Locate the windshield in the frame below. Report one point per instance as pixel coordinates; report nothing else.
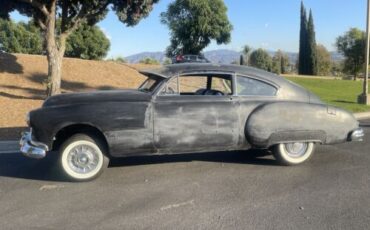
(150, 84)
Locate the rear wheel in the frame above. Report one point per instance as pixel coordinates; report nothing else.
(293, 153)
(82, 158)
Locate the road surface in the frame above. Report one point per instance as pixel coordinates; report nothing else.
(232, 190)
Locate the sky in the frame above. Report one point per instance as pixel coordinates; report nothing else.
(268, 24)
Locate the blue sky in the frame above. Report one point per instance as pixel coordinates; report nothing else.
(268, 24)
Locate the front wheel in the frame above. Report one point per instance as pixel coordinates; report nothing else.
(293, 153)
(82, 158)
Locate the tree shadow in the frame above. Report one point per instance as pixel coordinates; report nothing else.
(36, 94)
(106, 87)
(9, 64)
(343, 101)
(16, 166)
(11, 133)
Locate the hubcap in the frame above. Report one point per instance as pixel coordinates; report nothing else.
(296, 150)
(83, 159)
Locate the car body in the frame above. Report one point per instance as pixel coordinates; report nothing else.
(186, 108)
(189, 58)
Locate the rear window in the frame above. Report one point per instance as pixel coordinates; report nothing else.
(252, 87)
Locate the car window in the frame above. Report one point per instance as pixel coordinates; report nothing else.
(252, 87)
(191, 84)
(199, 85)
(171, 88)
(223, 85)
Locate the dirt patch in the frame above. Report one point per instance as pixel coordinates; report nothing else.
(22, 85)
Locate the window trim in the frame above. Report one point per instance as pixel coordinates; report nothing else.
(270, 83)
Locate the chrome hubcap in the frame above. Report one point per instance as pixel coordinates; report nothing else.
(83, 159)
(296, 150)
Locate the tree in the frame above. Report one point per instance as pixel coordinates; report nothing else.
(71, 13)
(302, 60)
(307, 61)
(149, 61)
(20, 37)
(352, 46)
(280, 63)
(324, 62)
(246, 51)
(87, 42)
(193, 24)
(167, 61)
(261, 59)
(242, 62)
(311, 51)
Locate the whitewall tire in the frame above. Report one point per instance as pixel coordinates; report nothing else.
(82, 158)
(293, 153)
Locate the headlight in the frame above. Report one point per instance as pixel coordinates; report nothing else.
(28, 119)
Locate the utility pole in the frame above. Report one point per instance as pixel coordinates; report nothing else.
(364, 98)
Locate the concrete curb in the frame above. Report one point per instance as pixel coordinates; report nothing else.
(362, 116)
(9, 147)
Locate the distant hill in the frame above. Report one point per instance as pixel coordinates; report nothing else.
(136, 58)
(222, 56)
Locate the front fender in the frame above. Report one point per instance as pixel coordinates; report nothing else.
(282, 122)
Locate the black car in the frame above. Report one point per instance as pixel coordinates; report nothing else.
(189, 59)
(186, 108)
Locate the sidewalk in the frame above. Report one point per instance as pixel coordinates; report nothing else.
(362, 116)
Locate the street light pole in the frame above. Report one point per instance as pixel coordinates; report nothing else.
(364, 98)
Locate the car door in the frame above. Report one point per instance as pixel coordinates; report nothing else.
(189, 122)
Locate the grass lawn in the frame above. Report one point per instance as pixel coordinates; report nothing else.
(340, 93)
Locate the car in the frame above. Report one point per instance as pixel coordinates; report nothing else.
(188, 58)
(185, 108)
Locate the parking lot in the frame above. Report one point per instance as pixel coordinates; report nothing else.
(229, 190)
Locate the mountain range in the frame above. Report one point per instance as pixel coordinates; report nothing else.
(222, 56)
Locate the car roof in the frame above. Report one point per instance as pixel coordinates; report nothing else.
(169, 71)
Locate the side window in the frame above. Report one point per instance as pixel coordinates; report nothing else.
(251, 87)
(222, 85)
(199, 85)
(192, 84)
(172, 87)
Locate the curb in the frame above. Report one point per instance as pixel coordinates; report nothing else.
(362, 116)
(9, 147)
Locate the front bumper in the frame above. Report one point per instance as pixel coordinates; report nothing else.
(356, 135)
(31, 148)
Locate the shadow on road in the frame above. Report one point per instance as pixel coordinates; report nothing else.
(253, 157)
(17, 166)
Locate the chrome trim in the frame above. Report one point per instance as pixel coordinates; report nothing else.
(356, 135)
(31, 148)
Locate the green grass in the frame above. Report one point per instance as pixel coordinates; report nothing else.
(340, 93)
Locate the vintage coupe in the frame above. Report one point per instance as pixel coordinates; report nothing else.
(185, 108)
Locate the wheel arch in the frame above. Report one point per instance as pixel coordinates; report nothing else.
(66, 131)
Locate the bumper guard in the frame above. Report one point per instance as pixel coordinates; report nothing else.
(31, 148)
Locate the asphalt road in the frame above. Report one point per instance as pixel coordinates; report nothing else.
(232, 190)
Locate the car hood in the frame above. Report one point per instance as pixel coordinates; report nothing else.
(97, 97)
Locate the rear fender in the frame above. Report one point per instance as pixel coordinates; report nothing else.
(283, 122)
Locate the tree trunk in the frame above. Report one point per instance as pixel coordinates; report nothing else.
(55, 53)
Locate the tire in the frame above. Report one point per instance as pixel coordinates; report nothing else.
(293, 153)
(82, 158)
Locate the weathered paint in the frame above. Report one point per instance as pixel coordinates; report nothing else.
(136, 123)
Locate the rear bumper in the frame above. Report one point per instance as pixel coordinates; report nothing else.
(31, 148)
(356, 135)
